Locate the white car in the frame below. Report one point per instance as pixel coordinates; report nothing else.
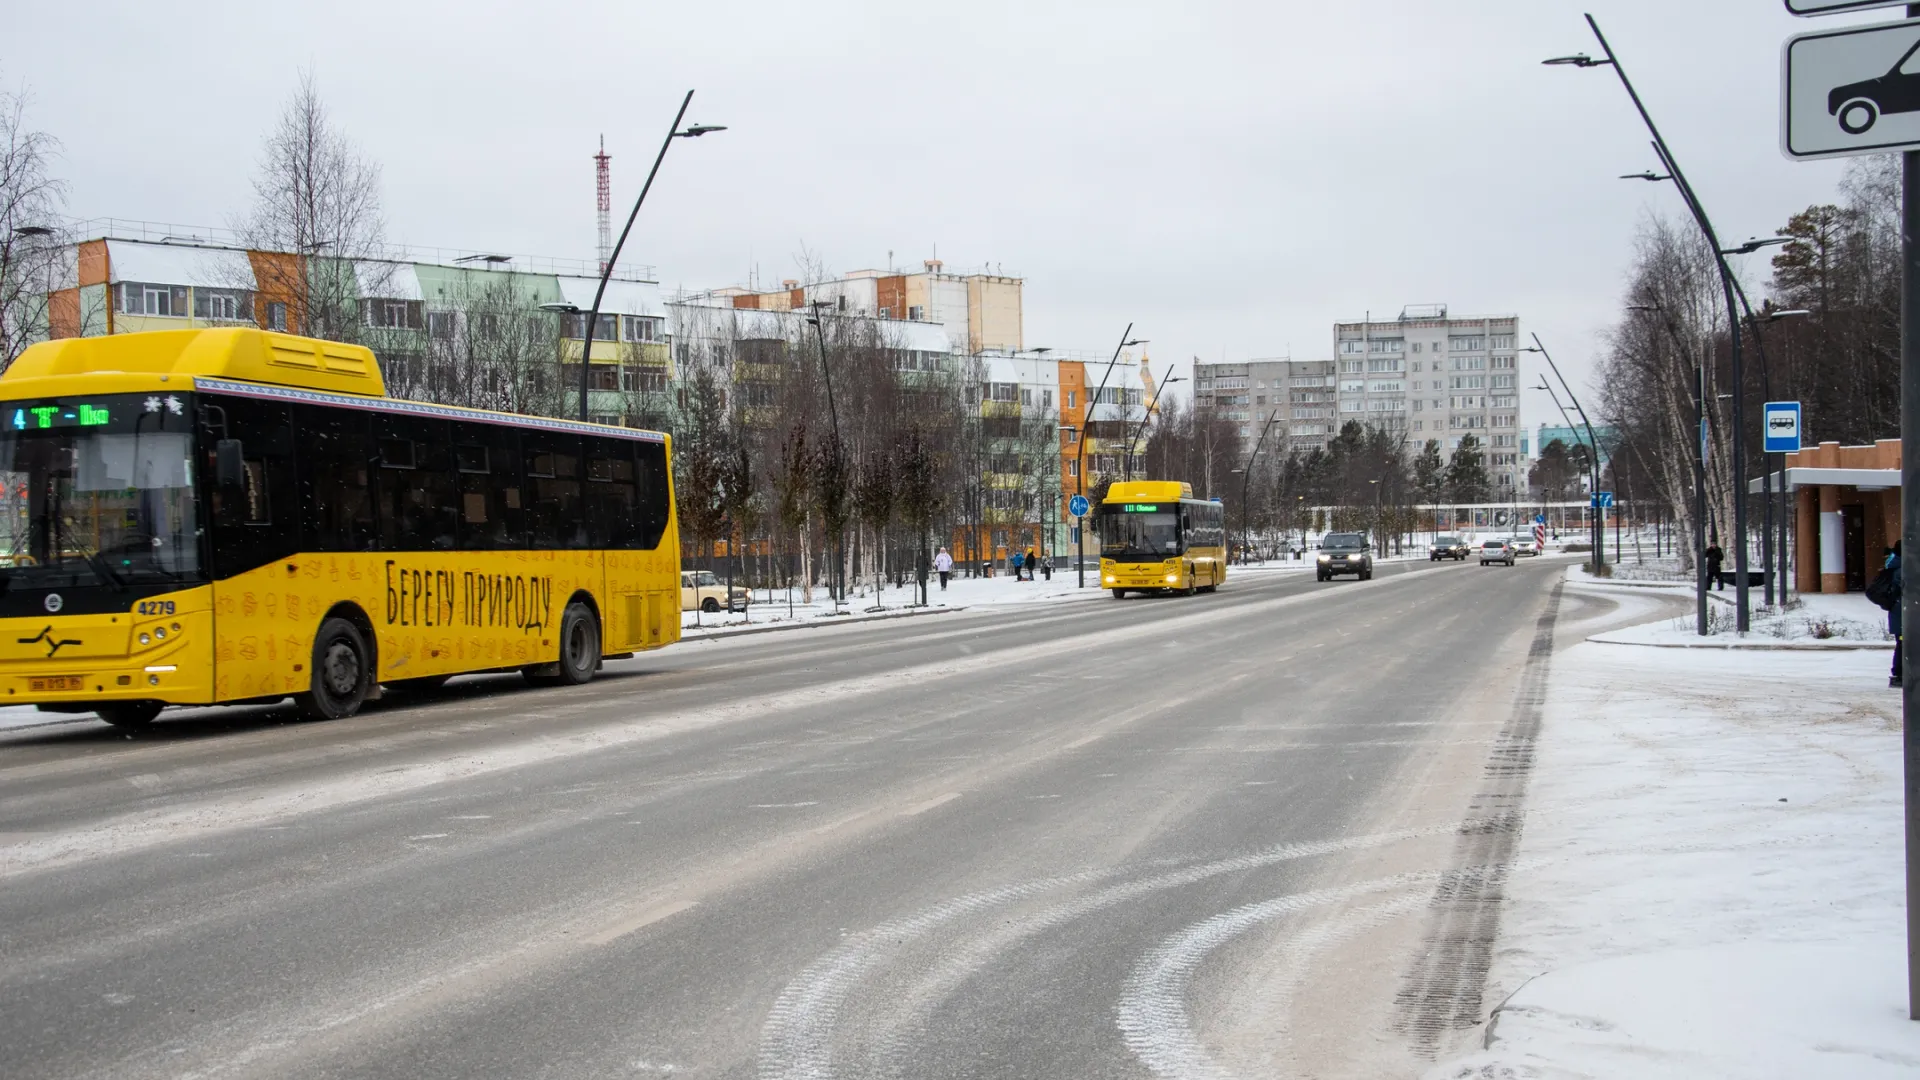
(1525, 545)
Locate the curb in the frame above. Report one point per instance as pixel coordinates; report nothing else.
(1784, 646)
(814, 624)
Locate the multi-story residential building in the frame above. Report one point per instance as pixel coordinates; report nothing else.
(1431, 375)
(500, 331)
(980, 311)
(1249, 394)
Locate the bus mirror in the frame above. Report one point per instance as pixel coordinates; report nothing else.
(229, 470)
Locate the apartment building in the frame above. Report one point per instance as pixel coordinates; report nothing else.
(1433, 375)
(1297, 397)
(981, 311)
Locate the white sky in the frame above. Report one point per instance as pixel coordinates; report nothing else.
(1231, 178)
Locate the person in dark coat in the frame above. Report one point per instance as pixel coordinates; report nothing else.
(1031, 563)
(1715, 557)
(1893, 616)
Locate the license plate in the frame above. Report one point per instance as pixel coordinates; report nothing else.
(54, 682)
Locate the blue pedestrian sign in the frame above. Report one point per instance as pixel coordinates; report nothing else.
(1078, 506)
(1601, 500)
(1782, 426)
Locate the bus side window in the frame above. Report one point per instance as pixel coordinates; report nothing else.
(492, 510)
(255, 523)
(336, 503)
(416, 488)
(653, 501)
(610, 492)
(554, 518)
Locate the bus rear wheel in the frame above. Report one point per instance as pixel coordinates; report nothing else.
(128, 714)
(341, 674)
(579, 650)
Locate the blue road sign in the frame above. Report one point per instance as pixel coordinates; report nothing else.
(1601, 500)
(1782, 426)
(1078, 506)
(1539, 519)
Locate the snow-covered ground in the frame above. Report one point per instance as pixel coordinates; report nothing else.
(1810, 621)
(1710, 879)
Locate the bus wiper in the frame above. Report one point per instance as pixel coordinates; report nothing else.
(100, 567)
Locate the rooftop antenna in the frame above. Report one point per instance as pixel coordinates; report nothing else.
(603, 194)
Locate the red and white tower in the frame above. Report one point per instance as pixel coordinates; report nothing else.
(603, 193)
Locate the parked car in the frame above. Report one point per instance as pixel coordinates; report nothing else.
(701, 589)
(1497, 551)
(1525, 545)
(1344, 553)
(1448, 547)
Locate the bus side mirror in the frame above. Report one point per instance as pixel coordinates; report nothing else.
(229, 470)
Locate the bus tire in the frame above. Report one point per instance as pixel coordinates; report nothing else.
(128, 714)
(579, 645)
(1119, 594)
(341, 674)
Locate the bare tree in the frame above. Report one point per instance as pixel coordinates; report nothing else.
(31, 199)
(317, 201)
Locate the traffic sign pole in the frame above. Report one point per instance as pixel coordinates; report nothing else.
(1910, 532)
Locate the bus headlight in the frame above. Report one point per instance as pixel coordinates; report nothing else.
(1173, 577)
(1109, 579)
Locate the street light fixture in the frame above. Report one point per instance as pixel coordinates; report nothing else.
(613, 257)
(1168, 380)
(1648, 175)
(1593, 457)
(33, 230)
(1741, 598)
(1080, 459)
(1755, 244)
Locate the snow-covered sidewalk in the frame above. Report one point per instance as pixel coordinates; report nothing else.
(1710, 880)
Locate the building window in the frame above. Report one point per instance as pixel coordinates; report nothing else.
(886, 313)
(1046, 399)
(277, 315)
(916, 312)
(1070, 400)
(440, 324)
(639, 328)
(1026, 396)
(1073, 467)
(1352, 367)
(393, 314)
(1500, 341)
(1352, 348)
(139, 298)
(1416, 348)
(1002, 391)
(223, 305)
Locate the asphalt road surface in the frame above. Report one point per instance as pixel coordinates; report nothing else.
(1258, 833)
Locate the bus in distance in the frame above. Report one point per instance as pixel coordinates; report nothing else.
(1156, 537)
(230, 516)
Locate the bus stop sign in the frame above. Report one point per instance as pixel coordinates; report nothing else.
(1782, 426)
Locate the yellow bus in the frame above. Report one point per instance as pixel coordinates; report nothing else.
(1156, 537)
(234, 516)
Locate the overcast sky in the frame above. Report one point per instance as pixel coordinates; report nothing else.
(1231, 178)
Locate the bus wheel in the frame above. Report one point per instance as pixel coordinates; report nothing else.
(1119, 594)
(129, 714)
(579, 644)
(341, 675)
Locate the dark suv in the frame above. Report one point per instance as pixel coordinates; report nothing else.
(1448, 547)
(1345, 553)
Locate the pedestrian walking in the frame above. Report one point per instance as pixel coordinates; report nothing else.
(1015, 562)
(1715, 557)
(1031, 563)
(1885, 590)
(943, 565)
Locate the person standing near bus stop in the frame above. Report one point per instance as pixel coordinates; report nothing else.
(943, 565)
(1015, 562)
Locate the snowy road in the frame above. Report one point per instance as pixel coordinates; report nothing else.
(1213, 837)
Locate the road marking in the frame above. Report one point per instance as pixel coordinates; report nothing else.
(781, 805)
(923, 807)
(645, 917)
(470, 817)
(1082, 741)
(430, 836)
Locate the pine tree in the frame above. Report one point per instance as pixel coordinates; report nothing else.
(1467, 477)
(1430, 473)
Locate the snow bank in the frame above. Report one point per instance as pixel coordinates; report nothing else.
(1710, 877)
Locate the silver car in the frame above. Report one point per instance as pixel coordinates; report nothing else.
(1497, 551)
(1524, 545)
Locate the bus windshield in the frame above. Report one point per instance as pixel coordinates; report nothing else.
(104, 498)
(1140, 536)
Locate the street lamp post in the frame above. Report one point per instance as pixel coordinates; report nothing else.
(1593, 456)
(606, 272)
(1246, 475)
(839, 448)
(1080, 456)
(1766, 459)
(1127, 467)
(1726, 284)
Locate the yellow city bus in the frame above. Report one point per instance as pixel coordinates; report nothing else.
(1155, 536)
(198, 517)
